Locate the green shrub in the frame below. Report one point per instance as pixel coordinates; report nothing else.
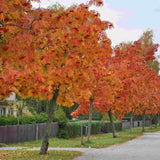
(60, 117)
(2, 145)
(3, 121)
(107, 127)
(8, 120)
(31, 110)
(12, 120)
(95, 116)
(74, 128)
(155, 119)
(96, 127)
(106, 117)
(25, 119)
(41, 118)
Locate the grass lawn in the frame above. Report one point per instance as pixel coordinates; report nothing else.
(34, 155)
(97, 141)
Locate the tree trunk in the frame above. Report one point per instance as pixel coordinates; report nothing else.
(18, 121)
(150, 124)
(131, 123)
(90, 119)
(45, 143)
(112, 123)
(156, 120)
(143, 122)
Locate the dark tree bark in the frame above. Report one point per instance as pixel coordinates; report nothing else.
(150, 124)
(90, 119)
(112, 123)
(156, 121)
(131, 123)
(143, 121)
(45, 142)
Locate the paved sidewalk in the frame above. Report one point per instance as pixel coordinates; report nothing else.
(50, 148)
(146, 147)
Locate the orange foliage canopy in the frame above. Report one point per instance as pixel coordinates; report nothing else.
(10, 13)
(132, 85)
(45, 50)
(140, 83)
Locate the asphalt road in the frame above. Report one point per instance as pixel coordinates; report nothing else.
(146, 147)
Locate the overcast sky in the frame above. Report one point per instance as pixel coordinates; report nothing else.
(130, 17)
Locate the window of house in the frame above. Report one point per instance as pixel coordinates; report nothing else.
(3, 111)
(10, 111)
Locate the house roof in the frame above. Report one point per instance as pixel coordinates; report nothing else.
(5, 102)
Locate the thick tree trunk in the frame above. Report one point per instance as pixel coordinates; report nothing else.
(90, 119)
(143, 122)
(131, 123)
(112, 123)
(45, 142)
(150, 124)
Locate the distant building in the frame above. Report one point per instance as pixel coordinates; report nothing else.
(6, 107)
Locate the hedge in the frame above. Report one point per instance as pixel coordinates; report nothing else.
(74, 128)
(60, 117)
(25, 119)
(107, 127)
(8, 120)
(69, 130)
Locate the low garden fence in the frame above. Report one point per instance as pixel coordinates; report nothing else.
(27, 132)
(32, 132)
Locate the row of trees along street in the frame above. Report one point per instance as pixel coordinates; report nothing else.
(64, 56)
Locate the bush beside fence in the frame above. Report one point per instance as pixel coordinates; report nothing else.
(25, 119)
(74, 128)
(107, 126)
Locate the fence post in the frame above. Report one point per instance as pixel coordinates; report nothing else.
(81, 135)
(36, 132)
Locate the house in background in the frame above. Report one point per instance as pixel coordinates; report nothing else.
(6, 107)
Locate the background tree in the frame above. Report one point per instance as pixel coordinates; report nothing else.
(148, 48)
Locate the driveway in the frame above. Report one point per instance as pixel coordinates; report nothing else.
(146, 147)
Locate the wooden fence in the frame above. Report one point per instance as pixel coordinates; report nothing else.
(27, 132)
(126, 124)
(32, 132)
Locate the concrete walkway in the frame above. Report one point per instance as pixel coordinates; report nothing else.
(50, 148)
(146, 147)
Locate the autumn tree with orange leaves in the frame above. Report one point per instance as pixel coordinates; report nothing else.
(64, 56)
(139, 81)
(136, 84)
(47, 53)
